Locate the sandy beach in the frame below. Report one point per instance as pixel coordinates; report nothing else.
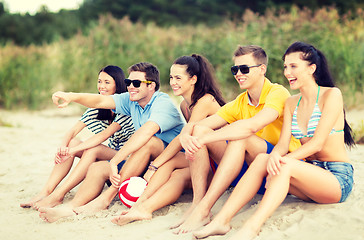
(26, 159)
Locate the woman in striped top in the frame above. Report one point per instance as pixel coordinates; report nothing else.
(116, 128)
(318, 171)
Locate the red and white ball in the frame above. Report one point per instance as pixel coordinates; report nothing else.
(131, 189)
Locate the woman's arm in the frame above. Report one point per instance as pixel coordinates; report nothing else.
(76, 129)
(205, 107)
(70, 134)
(282, 147)
(96, 139)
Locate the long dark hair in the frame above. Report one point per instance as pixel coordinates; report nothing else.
(118, 75)
(206, 81)
(322, 75)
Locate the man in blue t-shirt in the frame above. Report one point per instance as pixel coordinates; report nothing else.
(156, 121)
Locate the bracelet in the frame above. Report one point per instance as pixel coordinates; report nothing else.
(152, 167)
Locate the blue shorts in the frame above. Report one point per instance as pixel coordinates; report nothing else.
(243, 170)
(343, 171)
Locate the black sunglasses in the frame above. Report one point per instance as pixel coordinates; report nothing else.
(136, 83)
(244, 69)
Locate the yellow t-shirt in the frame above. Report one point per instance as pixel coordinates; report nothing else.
(272, 96)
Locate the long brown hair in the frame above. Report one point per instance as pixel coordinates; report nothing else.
(200, 67)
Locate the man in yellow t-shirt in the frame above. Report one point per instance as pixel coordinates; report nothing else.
(234, 136)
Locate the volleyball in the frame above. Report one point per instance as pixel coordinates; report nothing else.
(131, 189)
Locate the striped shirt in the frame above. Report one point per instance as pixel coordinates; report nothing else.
(118, 139)
(312, 122)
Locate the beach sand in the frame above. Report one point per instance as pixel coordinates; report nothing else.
(26, 159)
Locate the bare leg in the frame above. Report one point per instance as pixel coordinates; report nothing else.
(167, 194)
(301, 176)
(91, 187)
(200, 169)
(228, 170)
(163, 175)
(246, 189)
(89, 156)
(134, 166)
(58, 173)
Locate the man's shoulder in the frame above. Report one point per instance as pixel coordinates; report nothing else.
(162, 98)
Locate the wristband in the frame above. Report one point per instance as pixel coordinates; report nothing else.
(152, 167)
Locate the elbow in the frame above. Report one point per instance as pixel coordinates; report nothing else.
(254, 129)
(317, 145)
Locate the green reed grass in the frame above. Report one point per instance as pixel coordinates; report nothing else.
(29, 75)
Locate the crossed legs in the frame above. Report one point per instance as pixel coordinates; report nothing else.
(58, 173)
(230, 166)
(296, 177)
(88, 198)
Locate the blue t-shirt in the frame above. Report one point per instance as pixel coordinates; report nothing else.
(160, 109)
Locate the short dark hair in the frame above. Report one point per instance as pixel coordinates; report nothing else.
(259, 54)
(151, 72)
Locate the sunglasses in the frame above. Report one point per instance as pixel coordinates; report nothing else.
(244, 69)
(136, 83)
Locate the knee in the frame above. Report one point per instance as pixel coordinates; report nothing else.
(74, 142)
(286, 169)
(199, 130)
(90, 151)
(95, 169)
(180, 174)
(260, 162)
(150, 145)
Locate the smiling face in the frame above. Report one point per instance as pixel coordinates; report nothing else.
(181, 82)
(297, 71)
(142, 94)
(248, 80)
(106, 84)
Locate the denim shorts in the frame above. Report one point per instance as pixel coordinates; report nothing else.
(343, 171)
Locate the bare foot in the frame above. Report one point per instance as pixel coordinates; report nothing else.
(197, 219)
(245, 233)
(48, 202)
(94, 206)
(213, 228)
(184, 217)
(31, 203)
(131, 216)
(53, 214)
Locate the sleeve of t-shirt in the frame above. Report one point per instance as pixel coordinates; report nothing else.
(126, 124)
(165, 114)
(90, 119)
(122, 103)
(89, 114)
(229, 111)
(276, 98)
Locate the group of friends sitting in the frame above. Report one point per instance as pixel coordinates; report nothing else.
(265, 141)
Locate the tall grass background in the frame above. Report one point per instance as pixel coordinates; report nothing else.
(29, 75)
